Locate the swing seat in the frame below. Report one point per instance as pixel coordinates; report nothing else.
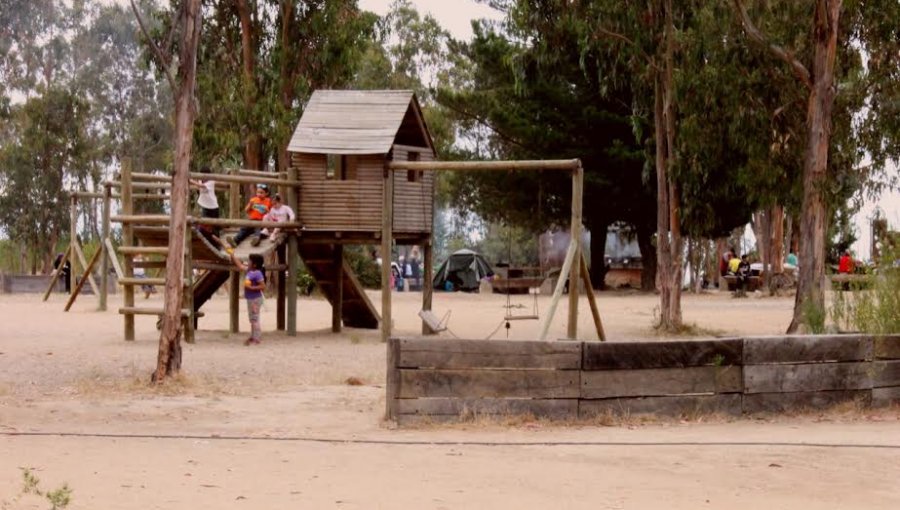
(435, 324)
(521, 318)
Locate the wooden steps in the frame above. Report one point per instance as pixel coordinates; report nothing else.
(357, 310)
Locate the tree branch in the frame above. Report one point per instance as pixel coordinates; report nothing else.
(754, 33)
(625, 39)
(163, 61)
(485, 123)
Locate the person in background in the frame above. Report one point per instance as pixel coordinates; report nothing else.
(743, 275)
(140, 272)
(846, 266)
(792, 259)
(65, 271)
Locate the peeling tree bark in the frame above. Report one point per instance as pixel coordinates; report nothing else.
(169, 356)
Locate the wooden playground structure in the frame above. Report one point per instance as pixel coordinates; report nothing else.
(362, 172)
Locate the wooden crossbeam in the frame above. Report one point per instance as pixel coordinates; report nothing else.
(59, 271)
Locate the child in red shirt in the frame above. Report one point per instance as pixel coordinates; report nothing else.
(256, 210)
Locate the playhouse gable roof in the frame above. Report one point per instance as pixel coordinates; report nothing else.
(360, 122)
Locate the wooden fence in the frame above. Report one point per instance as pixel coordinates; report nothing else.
(444, 380)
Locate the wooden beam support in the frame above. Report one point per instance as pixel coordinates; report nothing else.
(87, 270)
(240, 178)
(387, 218)
(234, 281)
(57, 272)
(113, 258)
(575, 238)
(337, 307)
(461, 166)
(104, 261)
(83, 260)
(427, 282)
(557, 292)
(592, 300)
(165, 219)
(131, 281)
(127, 240)
(293, 257)
(144, 250)
(280, 299)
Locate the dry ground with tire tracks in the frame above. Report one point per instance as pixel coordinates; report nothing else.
(276, 425)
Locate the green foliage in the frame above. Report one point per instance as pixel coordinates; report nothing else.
(874, 310)
(364, 266)
(814, 317)
(58, 498)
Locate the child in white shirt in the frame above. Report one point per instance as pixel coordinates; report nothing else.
(280, 213)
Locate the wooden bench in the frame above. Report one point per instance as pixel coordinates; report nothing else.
(753, 282)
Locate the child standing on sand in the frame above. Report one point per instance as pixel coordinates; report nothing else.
(254, 285)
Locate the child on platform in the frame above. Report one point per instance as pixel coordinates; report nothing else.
(279, 213)
(256, 210)
(254, 285)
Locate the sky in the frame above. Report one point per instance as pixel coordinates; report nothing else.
(454, 15)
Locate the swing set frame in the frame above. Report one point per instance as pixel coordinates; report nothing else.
(574, 267)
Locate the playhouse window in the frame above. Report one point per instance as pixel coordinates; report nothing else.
(340, 167)
(414, 175)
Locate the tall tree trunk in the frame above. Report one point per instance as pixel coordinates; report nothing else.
(169, 357)
(777, 252)
(253, 147)
(668, 240)
(811, 282)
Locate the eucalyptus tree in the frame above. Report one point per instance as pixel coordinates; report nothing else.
(533, 91)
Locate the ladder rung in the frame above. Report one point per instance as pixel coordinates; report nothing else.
(521, 318)
(142, 281)
(149, 250)
(153, 311)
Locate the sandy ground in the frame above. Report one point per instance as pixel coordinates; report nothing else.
(275, 426)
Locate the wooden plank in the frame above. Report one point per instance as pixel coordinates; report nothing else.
(427, 281)
(89, 275)
(387, 238)
(87, 271)
(460, 166)
(781, 402)
(885, 373)
(130, 282)
(128, 232)
(592, 300)
(470, 354)
(887, 347)
(884, 397)
(337, 305)
(726, 403)
(489, 383)
(682, 353)
(854, 375)
(468, 408)
(392, 379)
(575, 238)
(557, 292)
(792, 349)
(660, 382)
(106, 255)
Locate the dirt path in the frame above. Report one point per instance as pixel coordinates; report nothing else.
(72, 374)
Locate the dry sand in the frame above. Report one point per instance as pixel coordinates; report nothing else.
(275, 426)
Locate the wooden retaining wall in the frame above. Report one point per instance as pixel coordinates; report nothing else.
(444, 380)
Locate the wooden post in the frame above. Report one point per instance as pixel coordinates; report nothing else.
(187, 298)
(392, 379)
(104, 261)
(234, 280)
(279, 300)
(77, 289)
(589, 290)
(59, 271)
(387, 218)
(73, 235)
(127, 240)
(79, 253)
(337, 307)
(575, 232)
(557, 292)
(427, 281)
(292, 257)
